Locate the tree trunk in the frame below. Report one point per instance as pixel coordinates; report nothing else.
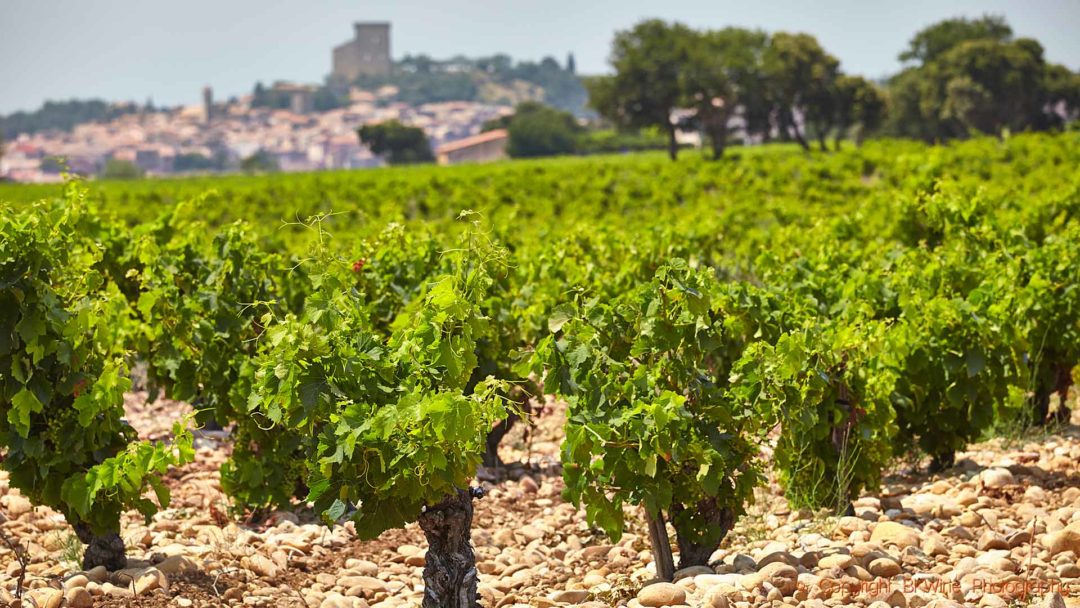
(661, 546)
(716, 138)
(821, 141)
(790, 121)
(858, 135)
(107, 550)
(450, 570)
(673, 145)
(836, 143)
(941, 462)
(695, 549)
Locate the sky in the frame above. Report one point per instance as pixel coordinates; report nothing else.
(167, 51)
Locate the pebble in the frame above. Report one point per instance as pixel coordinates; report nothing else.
(570, 596)
(661, 594)
(997, 478)
(895, 533)
(78, 597)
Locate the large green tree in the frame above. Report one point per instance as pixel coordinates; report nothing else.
(721, 78)
(538, 130)
(972, 76)
(931, 42)
(860, 108)
(646, 87)
(397, 143)
(802, 78)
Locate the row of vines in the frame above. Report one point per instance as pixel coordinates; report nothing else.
(817, 315)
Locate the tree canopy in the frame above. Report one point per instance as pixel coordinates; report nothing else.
(646, 87)
(962, 76)
(398, 144)
(974, 77)
(537, 130)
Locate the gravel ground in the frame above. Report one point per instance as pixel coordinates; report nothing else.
(1001, 529)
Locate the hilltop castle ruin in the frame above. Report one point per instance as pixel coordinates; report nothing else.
(367, 54)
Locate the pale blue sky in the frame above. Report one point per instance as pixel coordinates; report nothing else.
(136, 49)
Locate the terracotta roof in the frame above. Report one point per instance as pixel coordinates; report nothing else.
(469, 142)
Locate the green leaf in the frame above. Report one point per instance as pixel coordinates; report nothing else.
(336, 510)
(24, 403)
(559, 316)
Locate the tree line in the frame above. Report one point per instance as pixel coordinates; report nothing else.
(961, 76)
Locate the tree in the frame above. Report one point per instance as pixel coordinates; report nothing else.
(196, 162)
(537, 130)
(646, 86)
(983, 86)
(121, 169)
(397, 143)
(860, 108)
(973, 76)
(1063, 92)
(259, 162)
(933, 41)
(62, 115)
(987, 85)
(801, 78)
(721, 76)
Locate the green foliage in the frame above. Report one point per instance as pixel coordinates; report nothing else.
(831, 385)
(645, 88)
(610, 141)
(868, 301)
(931, 42)
(396, 142)
(62, 116)
(420, 79)
(391, 427)
(801, 78)
(723, 74)
(959, 348)
(259, 162)
(197, 162)
(64, 375)
(649, 421)
(860, 107)
(972, 76)
(536, 130)
(121, 169)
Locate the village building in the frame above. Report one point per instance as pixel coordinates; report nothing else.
(482, 148)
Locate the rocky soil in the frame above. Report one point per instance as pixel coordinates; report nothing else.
(1001, 529)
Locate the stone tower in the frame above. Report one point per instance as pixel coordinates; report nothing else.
(367, 54)
(208, 103)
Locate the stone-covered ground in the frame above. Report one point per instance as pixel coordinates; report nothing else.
(1001, 529)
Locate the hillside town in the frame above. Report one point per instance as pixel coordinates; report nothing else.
(165, 142)
(218, 136)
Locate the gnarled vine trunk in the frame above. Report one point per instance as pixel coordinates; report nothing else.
(661, 546)
(696, 549)
(1057, 383)
(495, 437)
(942, 462)
(107, 550)
(450, 570)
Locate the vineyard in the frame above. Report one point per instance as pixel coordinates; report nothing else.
(591, 381)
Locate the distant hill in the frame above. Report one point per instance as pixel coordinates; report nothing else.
(496, 79)
(62, 116)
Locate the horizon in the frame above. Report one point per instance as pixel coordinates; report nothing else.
(167, 54)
